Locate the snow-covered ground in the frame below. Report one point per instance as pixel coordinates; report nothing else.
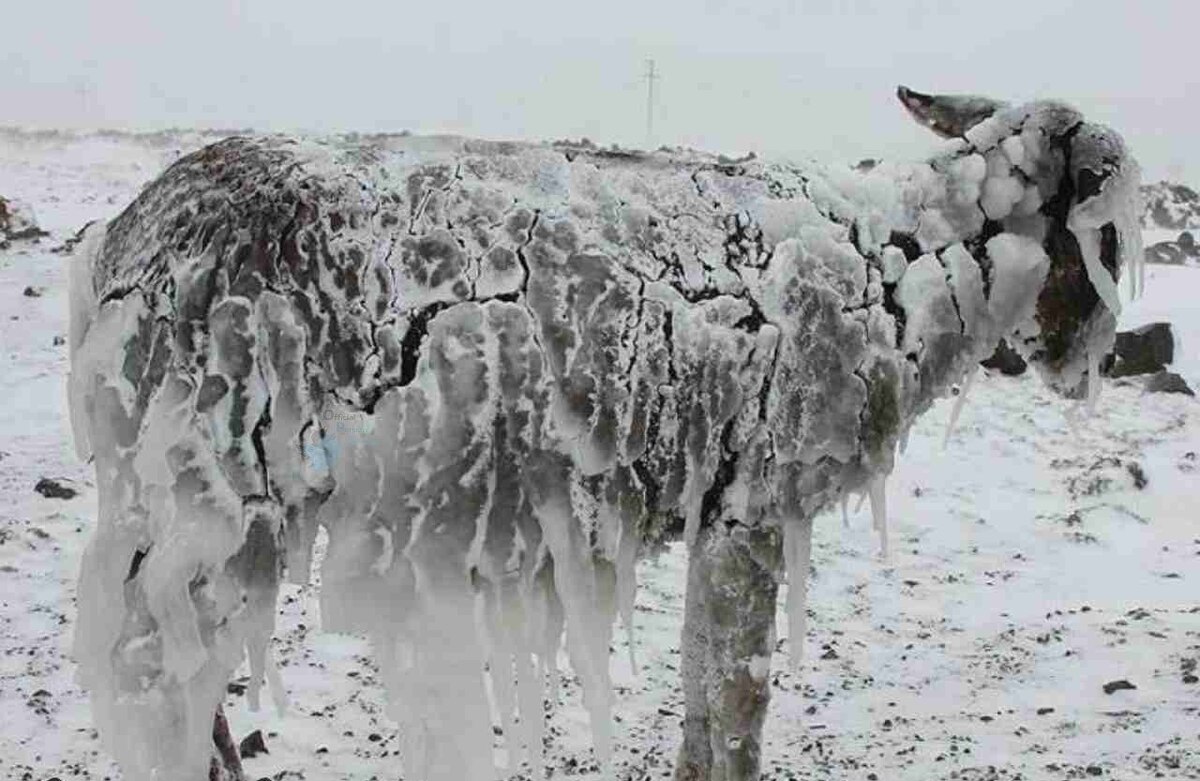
(1032, 571)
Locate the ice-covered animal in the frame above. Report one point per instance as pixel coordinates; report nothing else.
(497, 372)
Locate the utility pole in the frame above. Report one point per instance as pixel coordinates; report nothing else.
(650, 77)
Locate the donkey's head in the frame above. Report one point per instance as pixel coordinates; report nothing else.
(1061, 184)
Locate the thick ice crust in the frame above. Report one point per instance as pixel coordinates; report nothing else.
(495, 373)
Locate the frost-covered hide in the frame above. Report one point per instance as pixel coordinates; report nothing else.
(495, 373)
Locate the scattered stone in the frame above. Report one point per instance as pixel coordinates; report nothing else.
(1187, 243)
(1007, 360)
(1094, 770)
(17, 222)
(39, 702)
(52, 488)
(1144, 350)
(1164, 253)
(829, 654)
(235, 687)
(1116, 686)
(1044, 711)
(59, 341)
(1189, 679)
(32, 292)
(252, 745)
(1167, 382)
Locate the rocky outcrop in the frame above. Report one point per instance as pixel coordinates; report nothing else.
(1167, 382)
(1170, 206)
(1144, 350)
(17, 223)
(1006, 360)
(1174, 253)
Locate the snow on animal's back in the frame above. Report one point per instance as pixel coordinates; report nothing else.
(369, 244)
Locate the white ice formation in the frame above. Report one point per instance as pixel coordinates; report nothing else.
(496, 373)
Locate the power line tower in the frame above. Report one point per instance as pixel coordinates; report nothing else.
(650, 78)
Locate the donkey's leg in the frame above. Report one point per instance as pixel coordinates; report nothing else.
(728, 637)
(227, 763)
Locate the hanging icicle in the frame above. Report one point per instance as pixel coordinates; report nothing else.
(877, 490)
(797, 557)
(959, 403)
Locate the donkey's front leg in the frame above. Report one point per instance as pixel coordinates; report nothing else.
(728, 637)
(226, 764)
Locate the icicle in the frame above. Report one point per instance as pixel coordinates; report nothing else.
(1129, 232)
(1094, 382)
(606, 600)
(1141, 266)
(500, 667)
(257, 673)
(862, 498)
(797, 557)
(691, 526)
(627, 587)
(275, 682)
(1133, 265)
(1102, 281)
(959, 403)
(533, 718)
(574, 580)
(878, 492)
(845, 509)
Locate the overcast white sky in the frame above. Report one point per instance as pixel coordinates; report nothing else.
(809, 77)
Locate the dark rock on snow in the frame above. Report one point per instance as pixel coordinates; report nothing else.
(1167, 382)
(1173, 253)
(1187, 243)
(1164, 253)
(17, 223)
(1007, 360)
(1143, 350)
(1116, 686)
(252, 745)
(55, 489)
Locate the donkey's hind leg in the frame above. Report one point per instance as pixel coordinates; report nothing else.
(227, 762)
(728, 637)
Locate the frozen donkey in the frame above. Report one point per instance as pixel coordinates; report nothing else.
(495, 373)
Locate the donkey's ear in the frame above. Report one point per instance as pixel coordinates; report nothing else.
(950, 116)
